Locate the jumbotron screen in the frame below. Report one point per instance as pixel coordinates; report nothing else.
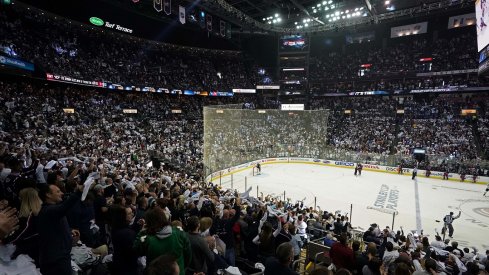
(482, 15)
(293, 43)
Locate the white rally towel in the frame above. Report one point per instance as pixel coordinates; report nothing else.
(86, 187)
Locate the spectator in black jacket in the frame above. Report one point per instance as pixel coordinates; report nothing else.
(123, 237)
(223, 227)
(281, 263)
(55, 236)
(338, 227)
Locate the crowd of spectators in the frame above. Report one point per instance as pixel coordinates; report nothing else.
(132, 216)
(68, 49)
(251, 135)
(373, 128)
(397, 58)
(77, 193)
(109, 192)
(394, 65)
(121, 59)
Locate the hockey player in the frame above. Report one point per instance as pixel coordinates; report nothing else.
(445, 174)
(359, 167)
(356, 170)
(415, 172)
(448, 220)
(399, 169)
(474, 175)
(258, 168)
(487, 190)
(428, 171)
(462, 175)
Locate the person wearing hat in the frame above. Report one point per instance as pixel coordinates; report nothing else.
(448, 220)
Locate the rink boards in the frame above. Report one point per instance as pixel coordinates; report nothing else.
(343, 164)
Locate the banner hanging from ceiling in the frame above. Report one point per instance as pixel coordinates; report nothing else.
(209, 22)
(158, 5)
(167, 6)
(222, 29)
(181, 14)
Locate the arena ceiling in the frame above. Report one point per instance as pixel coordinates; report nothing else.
(317, 15)
(288, 16)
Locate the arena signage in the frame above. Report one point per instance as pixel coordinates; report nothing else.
(463, 20)
(342, 163)
(300, 159)
(369, 93)
(407, 30)
(387, 197)
(448, 72)
(439, 174)
(217, 93)
(96, 21)
(440, 90)
(163, 90)
(292, 107)
(267, 87)
(13, 62)
(244, 91)
(395, 169)
(100, 22)
(369, 166)
(130, 111)
(67, 79)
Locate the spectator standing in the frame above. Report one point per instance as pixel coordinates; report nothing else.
(55, 236)
(159, 238)
(280, 264)
(202, 255)
(341, 255)
(123, 237)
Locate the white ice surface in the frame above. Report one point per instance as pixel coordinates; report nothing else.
(337, 188)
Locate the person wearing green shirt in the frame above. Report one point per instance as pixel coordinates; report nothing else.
(158, 238)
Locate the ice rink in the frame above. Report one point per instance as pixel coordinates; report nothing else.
(375, 196)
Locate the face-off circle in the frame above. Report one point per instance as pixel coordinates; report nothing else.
(483, 211)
